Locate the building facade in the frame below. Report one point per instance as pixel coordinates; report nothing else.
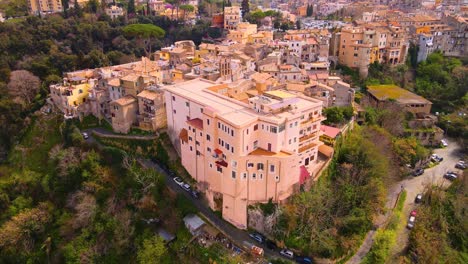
(243, 152)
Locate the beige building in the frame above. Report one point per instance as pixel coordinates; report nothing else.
(362, 45)
(115, 11)
(243, 152)
(232, 17)
(242, 33)
(124, 113)
(151, 110)
(42, 7)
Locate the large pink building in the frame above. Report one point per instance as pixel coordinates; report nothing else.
(243, 152)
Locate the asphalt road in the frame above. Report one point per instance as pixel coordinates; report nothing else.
(236, 235)
(415, 185)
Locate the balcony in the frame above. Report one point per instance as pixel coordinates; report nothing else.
(307, 137)
(307, 147)
(312, 120)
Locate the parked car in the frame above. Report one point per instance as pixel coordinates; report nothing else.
(178, 181)
(287, 253)
(451, 176)
(413, 213)
(411, 221)
(85, 135)
(418, 172)
(195, 194)
(304, 260)
(443, 143)
(460, 165)
(259, 237)
(418, 198)
(186, 187)
(271, 244)
(436, 158)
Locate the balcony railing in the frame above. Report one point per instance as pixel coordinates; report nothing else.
(312, 119)
(304, 138)
(307, 147)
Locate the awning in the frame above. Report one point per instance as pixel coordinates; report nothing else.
(303, 174)
(218, 151)
(183, 135)
(221, 163)
(326, 150)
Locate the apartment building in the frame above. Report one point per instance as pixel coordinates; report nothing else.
(242, 33)
(151, 110)
(42, 7)
(71, 95)
(115, 11)
(124, 113)
(232, 17)
(426, 46)
(243, 152)
(374, 42)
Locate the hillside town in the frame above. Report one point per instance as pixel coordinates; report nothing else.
(236, 131)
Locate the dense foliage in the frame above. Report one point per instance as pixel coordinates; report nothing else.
(441, 232)
(331, 218)
(49, 46)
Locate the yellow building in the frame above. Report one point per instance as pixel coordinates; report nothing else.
(70, 96)
(242, 33)
(37, 7)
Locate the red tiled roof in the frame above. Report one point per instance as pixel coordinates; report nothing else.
(196, 122)
(329, 131)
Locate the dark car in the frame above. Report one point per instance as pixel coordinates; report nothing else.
(271, 244)
(195, 194)
(418, 172)
(304, 260)
(259, 237)
(418, 198)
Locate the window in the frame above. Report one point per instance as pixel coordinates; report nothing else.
(256, 127)
(190, 138)
(233, 175)
(254, 176)
(219, 125)
(208, 149)
(232, 133)
(290, 125)
(201, 134)
(219, 169)
(273, 129)
(247, 131)
(255, 144)
(191, 149)
(295, 123)
(261, 176)
(234, 164)
(211, 165)
(232, 149)
(198, 153)
(290, 141)
(219, 141)
(187, 104)
(173, 98)
(208, 137)
(250, 165)
(227, 146)
(277, 178)
(259, 166)
(197, 143)
(272, 168)
(244, 175)
(295, 140)
(175, 111)
(207, 121)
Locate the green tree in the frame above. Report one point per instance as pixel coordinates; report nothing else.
(145, 32)
(151, 251)
(245, 7)
(131, 7)
(187, 9)
(334, 115)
